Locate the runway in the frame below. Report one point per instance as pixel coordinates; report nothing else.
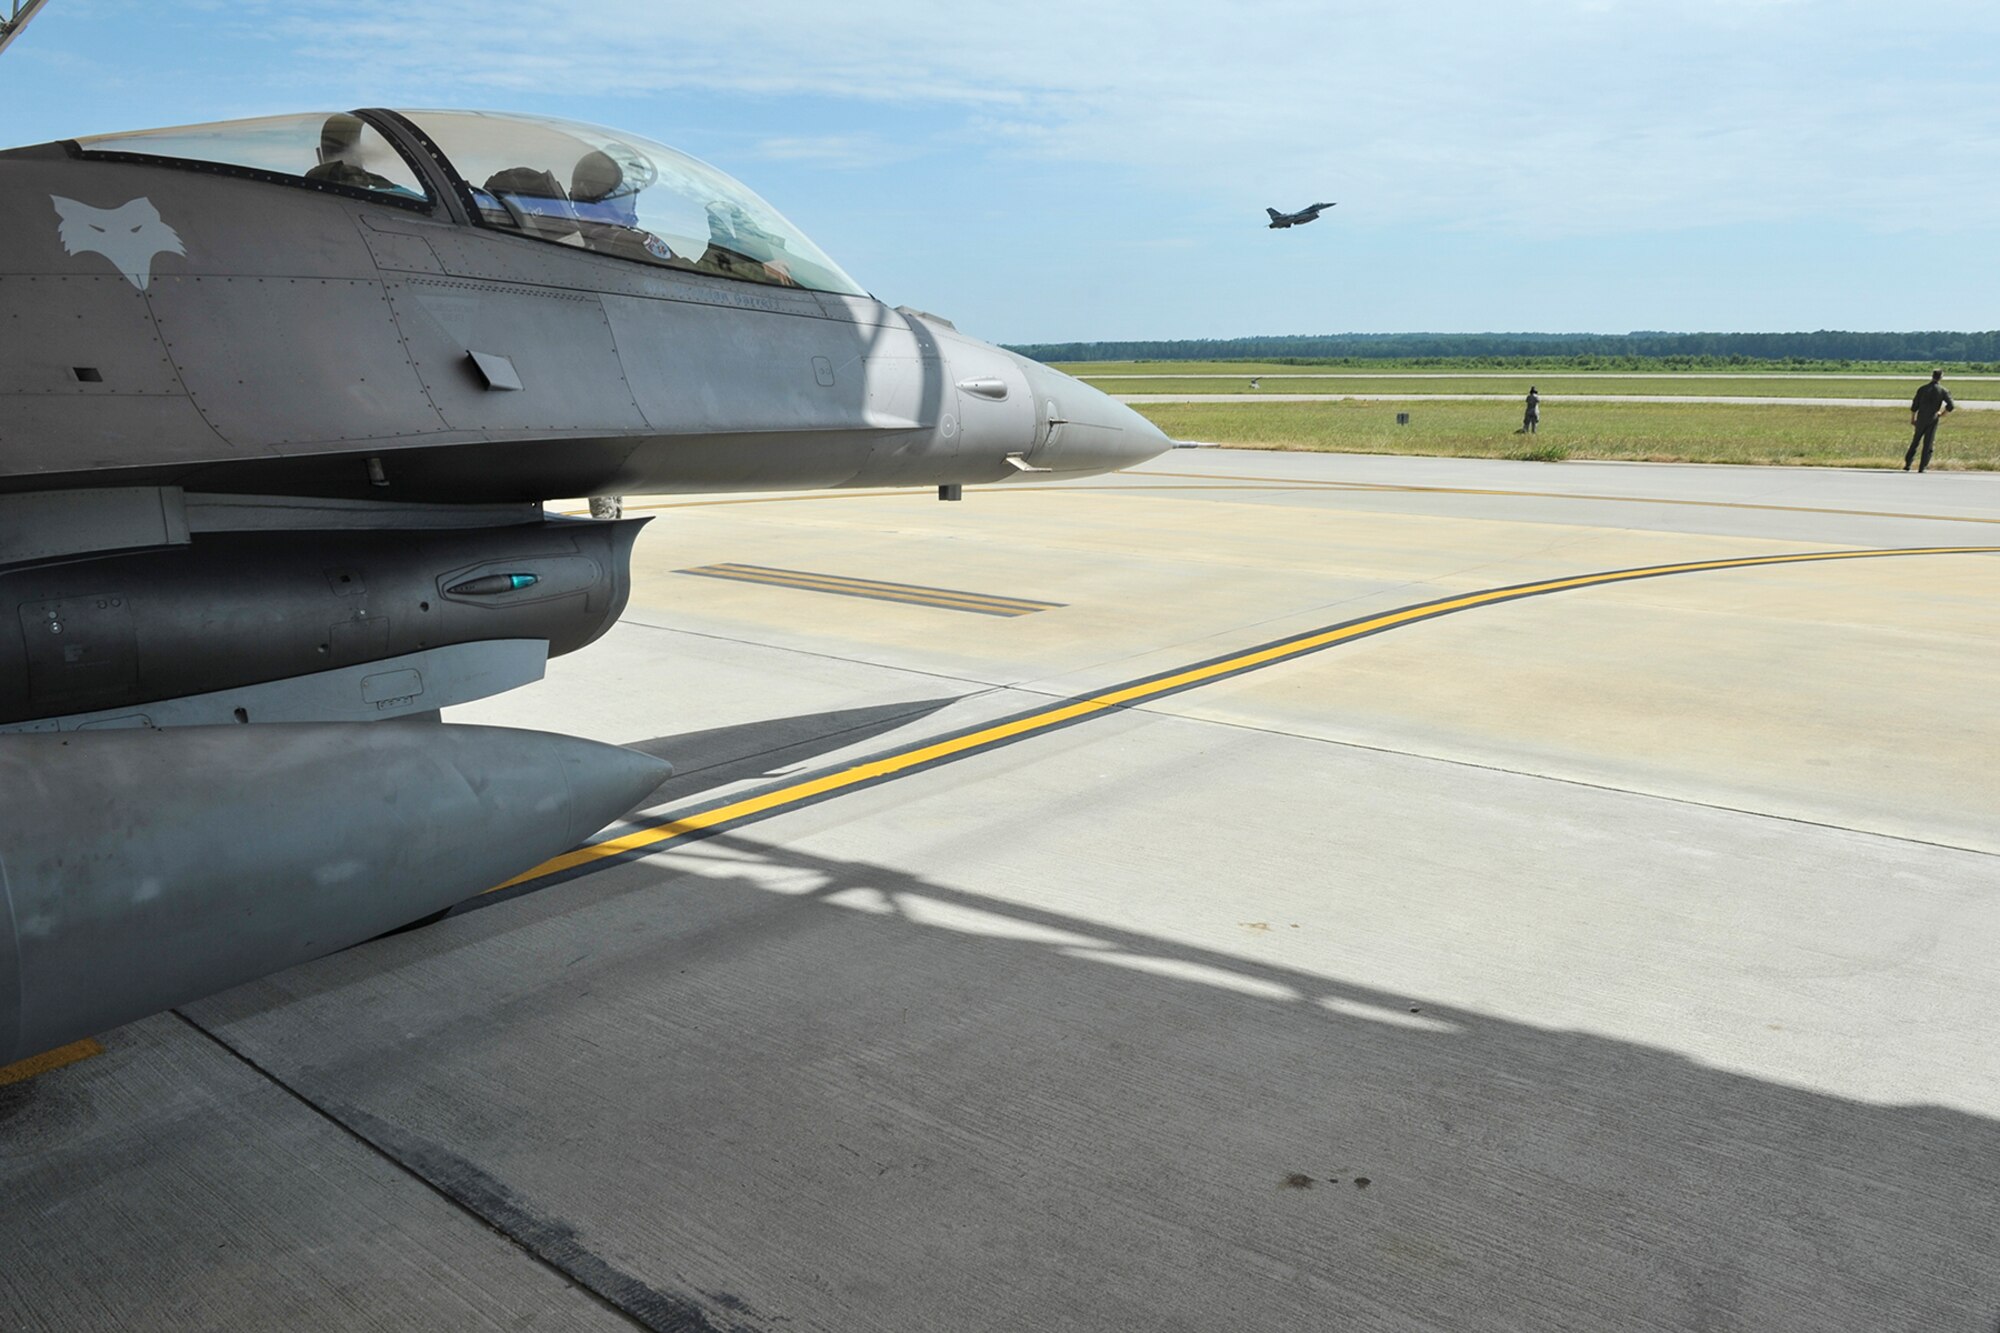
(1885, 404)
(1260, 890)
(1906, 377)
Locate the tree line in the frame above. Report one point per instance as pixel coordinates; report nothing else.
(1825, 349)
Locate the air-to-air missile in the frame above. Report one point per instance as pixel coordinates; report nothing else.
(280, 404)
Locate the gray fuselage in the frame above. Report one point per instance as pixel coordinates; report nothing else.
(274, 442)
(300, 330)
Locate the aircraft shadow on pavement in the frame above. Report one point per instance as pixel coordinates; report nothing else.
(704, 760)
(821, 1066)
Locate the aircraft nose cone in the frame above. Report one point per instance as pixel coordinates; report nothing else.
(1084, 431)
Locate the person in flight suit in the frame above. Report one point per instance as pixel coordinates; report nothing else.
(1931, 401)
(340, 157)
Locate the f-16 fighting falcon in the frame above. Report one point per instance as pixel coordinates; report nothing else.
(1310, 213)
(280, 402)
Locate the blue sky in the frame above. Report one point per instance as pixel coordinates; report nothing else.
(1044, 171)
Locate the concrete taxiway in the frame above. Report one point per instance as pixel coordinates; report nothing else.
(1266, 891)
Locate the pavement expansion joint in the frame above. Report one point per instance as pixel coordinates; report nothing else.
(639, 620)
(568, 1273)
(1689, 802)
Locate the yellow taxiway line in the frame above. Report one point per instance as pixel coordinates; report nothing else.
(22, 1070)
(926, 754)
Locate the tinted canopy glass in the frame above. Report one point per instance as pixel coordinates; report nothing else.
(330, 147)
(620, 194)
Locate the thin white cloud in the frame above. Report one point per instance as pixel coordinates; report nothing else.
(841, 152)
(1545, 116)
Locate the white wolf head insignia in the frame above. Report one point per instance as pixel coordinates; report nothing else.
(129, 235)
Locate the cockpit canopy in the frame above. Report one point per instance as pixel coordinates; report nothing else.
(338, 149)
(554, 180)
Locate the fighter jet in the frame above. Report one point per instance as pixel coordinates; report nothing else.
(280, 404)
(1298, 219)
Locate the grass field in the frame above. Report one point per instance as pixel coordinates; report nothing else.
(1635, 432)
(1553, 387)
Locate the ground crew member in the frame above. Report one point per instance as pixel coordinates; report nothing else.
(1532, 418)
(1931, 400)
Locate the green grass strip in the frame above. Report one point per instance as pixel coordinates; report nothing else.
(1729, 386)
(1632, 432)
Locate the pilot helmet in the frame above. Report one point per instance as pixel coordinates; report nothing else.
(596, 177)
(339, 137)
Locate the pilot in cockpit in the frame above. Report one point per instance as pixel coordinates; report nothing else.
(607, 210)
(340, 157)
(596, 188)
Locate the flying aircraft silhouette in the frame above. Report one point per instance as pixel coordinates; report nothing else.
(1298, 219)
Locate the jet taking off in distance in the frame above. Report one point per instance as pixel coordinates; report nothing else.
(280, 401)
(1298, 219)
